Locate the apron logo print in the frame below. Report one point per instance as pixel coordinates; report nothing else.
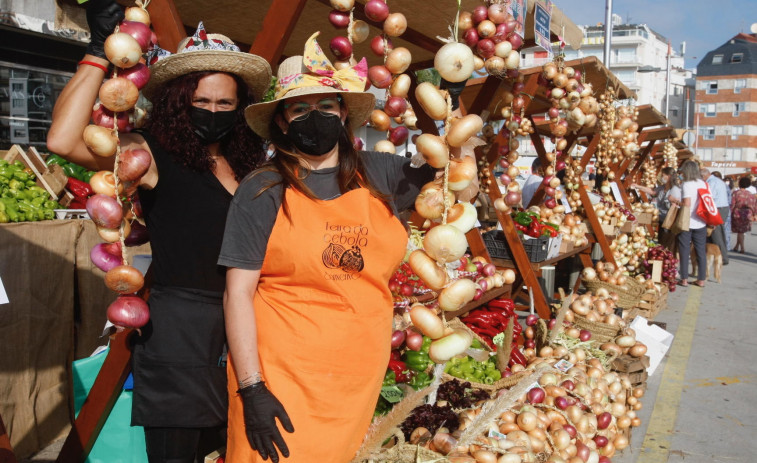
(349, 260)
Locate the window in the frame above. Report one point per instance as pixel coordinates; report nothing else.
(708, 109)
(717, 59)
(705, 154)
(707, 133)
(738, 85)
(736, 58)
(712, 88)
(626, 76)
(733, 154)
(673, 112)
(738, 107)
(737, 130)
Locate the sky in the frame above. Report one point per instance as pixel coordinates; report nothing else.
(703, 24)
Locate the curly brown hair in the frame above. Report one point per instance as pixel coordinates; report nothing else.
(171, 125)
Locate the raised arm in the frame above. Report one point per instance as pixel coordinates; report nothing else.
(73, 107)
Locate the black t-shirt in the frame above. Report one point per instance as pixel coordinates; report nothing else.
(185, 214)
(251, 218)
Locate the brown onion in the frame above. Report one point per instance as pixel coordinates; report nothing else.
(124, 279)
(398, 60)
(138, 14)
(122, 50)
(100, 140)
(119, 94)
(395, 24)
(104, 182)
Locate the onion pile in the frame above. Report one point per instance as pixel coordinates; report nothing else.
(646, 208)
(571, 225)
(113, 113)
(631, 251)
(491, 34)
(669, 266)
(670, 155)
(618, 133)
(597, 307)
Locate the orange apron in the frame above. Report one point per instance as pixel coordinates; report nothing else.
(324, 320)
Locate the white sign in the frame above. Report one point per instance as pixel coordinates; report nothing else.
(3, 294)
(542, 19)
(564, 200)
(616, 192)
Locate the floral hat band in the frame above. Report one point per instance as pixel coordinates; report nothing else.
(322, 73)
(200, 41)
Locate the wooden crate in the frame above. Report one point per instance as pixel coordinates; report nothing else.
(627, 364)
(644, 218)
(51, 178)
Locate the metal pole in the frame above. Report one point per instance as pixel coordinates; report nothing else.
(608, 33)
(686, 108)
(667, 86)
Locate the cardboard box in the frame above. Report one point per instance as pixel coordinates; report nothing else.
(645, 218)
(628, 227)
(565, 246)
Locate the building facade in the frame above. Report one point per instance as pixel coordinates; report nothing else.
(634, 47)
(726, 110)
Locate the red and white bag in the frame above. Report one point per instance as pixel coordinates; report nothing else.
(706, 209)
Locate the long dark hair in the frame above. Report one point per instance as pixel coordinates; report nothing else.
(170, 124)
(288, 164)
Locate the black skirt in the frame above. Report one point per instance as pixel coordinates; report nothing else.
(179, 363)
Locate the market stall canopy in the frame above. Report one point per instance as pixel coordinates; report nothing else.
(660, 133)
(593, 71)
(242, 21)
(649, 116)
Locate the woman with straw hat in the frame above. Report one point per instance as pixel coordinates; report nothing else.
(201, 147)
(311, 241)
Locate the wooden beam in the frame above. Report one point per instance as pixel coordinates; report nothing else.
(278, 25)
(167, 24)
(485, 95)
(590, 150)
(645, 153)
(541, 153)
(596, 227)
(476, 243)
(100, 400)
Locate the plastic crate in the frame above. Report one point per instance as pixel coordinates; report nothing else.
(536, 248)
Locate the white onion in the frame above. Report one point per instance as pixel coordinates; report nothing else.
(457, 294)
(454, 61)
(462, 216)
(449, 346)
(445, 243)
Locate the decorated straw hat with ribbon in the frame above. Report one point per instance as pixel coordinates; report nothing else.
(206, 52)
(311, 74)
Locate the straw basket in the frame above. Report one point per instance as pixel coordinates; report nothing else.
(628, 296)
(402, 452)
(600, 332)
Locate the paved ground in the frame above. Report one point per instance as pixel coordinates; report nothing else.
(701, 402)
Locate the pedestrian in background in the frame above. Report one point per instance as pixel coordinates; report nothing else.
(727, 225)
(719, 192)
(697, 232)
(532, 182)
(743, 209)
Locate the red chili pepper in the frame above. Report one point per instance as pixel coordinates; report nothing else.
(516, 356)
(401, 372)
(81, 190)
(77, 205)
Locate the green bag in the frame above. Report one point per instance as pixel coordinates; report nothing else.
(118, 442)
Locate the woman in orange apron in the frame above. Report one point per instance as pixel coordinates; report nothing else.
(311, 241)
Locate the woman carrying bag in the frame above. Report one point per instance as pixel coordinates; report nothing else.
(743, 210)
(310, 242)
(696, 229)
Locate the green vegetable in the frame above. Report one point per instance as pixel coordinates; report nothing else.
(418, 361)
(471, 370)
(426, 344)
(420, 380)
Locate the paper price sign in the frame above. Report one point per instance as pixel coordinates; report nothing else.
(392, 394)
(616, 192)
(496, 435)
(563, 365)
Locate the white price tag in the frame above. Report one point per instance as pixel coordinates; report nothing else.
(616, 192)
(496, 435)
(535, 384)
(564, 201)
(563, 365)
(3, 294)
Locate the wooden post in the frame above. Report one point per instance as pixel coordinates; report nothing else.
(167, 24)
(596, 227)
(278, 25)
(100, 400)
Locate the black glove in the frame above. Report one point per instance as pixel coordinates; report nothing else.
(454, 89)
(261, 409)
(102, 18)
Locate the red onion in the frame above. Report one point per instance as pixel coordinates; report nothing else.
(560, 165)
(395, 106)
(398, 135)
(483, 284)
(568, 385)
(380, 76)
(413, 340)
(341, 48)
(604, 459)
(377, 45)
(516, 40)
(551, 323)
(471, 37)
(478, 294)
(376, 10)
(529, 344)
(406, 290)
(585, 335)
(129, 312)
(104, 211)
(603, 420)
(138, 74)
(554, 113)
(339, 19)
(512, 198)
(601, 441)
(133, 164)
(550, 203)
(480, 13)
(582, 450)
(103, 259)
(532, 319)
(140, 31)
(562, 402)
(485, 48)
(138, 235)
(103, 117)
(570, 429)
(357, 142)
(536, 395)
(398, 337)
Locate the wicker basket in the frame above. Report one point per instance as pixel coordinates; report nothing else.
(628, 296)
(600, 332)
(402, 452)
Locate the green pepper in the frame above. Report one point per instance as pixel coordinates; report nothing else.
(21, 175)
(390, 379)
(55, 159)
(15, 185)
(6, 172)
(50, 204)
(418, 361)
(18, 165)
(476, 344)
(420, 380)
(4, 217)
(426, 344)
(13, 215)
(25, 205)
(10, 204)
(48, 214)
(3, 163)
(496, 375)
(88, 175)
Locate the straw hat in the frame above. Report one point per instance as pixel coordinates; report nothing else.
(311, 74)
(207, 52)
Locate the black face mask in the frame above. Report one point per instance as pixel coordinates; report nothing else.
(212, 126)
(316, 133)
